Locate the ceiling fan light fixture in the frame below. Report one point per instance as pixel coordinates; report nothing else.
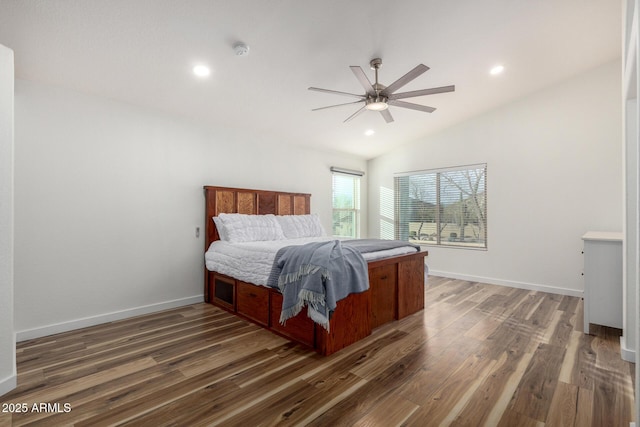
(378, 97)
(379, 103)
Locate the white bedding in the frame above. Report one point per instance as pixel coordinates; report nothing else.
(252, 261)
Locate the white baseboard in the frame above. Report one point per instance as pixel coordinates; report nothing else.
(8, 384)
(104, 318)
(509, 283)
(626, 353)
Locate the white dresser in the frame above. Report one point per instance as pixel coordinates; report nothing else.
(602, 279)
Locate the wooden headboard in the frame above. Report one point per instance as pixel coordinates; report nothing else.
(252, 202)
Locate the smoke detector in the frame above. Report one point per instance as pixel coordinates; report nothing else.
(241, 49)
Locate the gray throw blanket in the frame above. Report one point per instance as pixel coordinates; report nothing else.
(374, 245)
(317, 275)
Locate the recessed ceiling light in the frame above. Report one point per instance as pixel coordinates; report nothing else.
(201, 71)
(498, 69)
(369, 132)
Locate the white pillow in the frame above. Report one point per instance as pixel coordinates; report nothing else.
(251, 228)
(297, 226)
(222, 232)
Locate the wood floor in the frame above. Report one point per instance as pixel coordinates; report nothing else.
(478, 355)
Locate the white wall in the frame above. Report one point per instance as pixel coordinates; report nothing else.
(7, 335)
(554, 172)
(108, 196)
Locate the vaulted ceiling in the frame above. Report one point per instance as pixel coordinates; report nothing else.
(142, 52)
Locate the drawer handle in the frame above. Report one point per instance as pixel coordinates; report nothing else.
(383, 277)
(252, 295)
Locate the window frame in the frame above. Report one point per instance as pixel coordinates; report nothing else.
(400, 233)
(355, 210)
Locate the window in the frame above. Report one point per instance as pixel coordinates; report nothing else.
(446, 207)
(346, 205)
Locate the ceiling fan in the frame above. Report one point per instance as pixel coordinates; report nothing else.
(378, 97)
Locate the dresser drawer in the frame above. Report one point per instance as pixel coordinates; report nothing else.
(253, 302)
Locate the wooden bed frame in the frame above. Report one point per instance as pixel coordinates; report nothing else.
(396, 284)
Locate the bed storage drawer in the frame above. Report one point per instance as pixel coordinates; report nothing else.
(410, 287)
(223, 291)
(383, 282)
(300, 328)
(253, 302)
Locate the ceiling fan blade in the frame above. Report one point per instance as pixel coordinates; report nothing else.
(387, 116)
(335, 92)
(337, 105)
(411, 106)
(422, 92)
(354, 114)
(418, 70)
(363, 79)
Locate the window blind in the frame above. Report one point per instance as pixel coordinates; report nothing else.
(442, 206)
